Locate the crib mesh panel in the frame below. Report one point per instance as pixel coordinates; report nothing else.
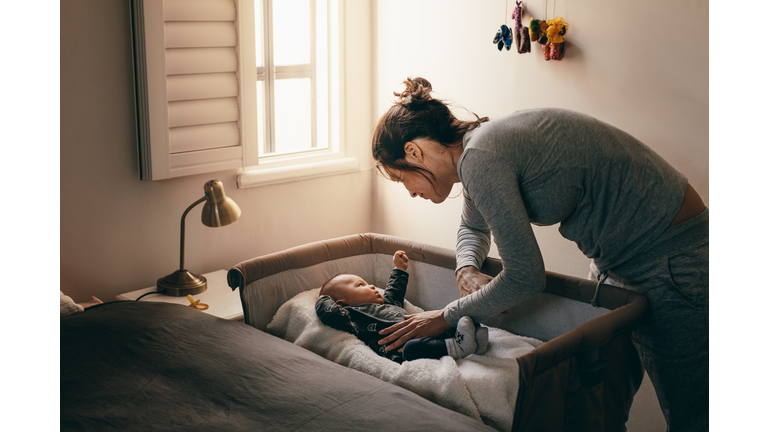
(545, 316)
(264, 297)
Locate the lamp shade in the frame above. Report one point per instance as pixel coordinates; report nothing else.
(218, 210)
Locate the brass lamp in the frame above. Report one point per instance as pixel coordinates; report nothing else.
(218, 211)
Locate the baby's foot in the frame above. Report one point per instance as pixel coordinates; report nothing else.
(481, 338)
(463, 343)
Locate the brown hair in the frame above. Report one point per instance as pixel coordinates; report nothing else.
(416, 115)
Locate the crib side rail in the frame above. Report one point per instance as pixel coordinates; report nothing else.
(583, 290)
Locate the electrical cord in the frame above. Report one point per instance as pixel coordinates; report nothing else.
(144, 295)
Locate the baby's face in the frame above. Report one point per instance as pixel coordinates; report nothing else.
(353, 290)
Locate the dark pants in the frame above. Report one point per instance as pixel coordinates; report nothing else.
(429, 347)
(672, 339)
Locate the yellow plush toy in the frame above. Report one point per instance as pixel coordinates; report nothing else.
(554, 48)
(556, 29)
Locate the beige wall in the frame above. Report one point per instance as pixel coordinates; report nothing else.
(120, 234)
(622, 65)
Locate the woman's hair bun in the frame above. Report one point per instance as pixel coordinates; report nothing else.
(417, 90)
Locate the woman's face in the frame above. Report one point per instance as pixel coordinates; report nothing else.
(419, 186)
(434, 159)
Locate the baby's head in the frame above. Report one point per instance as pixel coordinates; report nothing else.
(351, 290)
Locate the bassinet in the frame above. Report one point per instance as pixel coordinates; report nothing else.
(583, 378)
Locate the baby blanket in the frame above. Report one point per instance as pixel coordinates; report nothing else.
(483, 387)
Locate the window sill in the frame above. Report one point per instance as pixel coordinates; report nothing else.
(271, 176)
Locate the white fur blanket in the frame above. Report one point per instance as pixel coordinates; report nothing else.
(483, 387)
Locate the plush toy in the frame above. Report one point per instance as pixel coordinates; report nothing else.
(503, 37)
(522, 36)
(538, 30)
(554, 49)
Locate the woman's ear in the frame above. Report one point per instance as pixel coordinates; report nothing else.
(413, 153)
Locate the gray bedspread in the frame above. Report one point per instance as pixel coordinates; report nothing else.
(156, 366)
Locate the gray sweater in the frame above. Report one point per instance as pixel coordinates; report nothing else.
(609, 192)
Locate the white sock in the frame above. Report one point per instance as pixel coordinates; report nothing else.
(481, 338)
(463, 344)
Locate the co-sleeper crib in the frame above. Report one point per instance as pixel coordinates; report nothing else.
(583, 378)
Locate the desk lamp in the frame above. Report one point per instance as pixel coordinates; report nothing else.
(218, 211)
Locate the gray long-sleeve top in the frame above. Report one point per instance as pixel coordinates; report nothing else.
(610, 193)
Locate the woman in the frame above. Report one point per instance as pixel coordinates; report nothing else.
(626, 208)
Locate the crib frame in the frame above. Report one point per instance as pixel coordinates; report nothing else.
(584, 379)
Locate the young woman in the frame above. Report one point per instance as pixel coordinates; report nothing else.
(626, 208)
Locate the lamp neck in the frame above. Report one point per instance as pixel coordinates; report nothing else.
(183, 217)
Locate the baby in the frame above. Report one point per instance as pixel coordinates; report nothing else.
(350, 304)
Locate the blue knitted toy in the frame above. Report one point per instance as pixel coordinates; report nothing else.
(503, 37)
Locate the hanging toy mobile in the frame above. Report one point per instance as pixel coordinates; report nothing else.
(550, 34)
(522, 36)
(503, 36)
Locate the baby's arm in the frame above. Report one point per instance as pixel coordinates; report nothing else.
(394, 293)
(333, 315)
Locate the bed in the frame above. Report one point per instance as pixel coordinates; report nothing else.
(579, 372)
(140, 366)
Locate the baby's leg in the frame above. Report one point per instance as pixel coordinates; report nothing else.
(430, 348)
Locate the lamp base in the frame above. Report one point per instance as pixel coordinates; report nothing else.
(180, 283)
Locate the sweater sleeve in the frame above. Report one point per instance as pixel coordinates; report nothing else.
(496, 203)
(474, 237)
(333, 315)
(394, 293)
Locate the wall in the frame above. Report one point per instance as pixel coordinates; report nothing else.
(623, 64)
(120, 234)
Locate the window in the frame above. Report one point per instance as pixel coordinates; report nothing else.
(295, 68)
(225, 84)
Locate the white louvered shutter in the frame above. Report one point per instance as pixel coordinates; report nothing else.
(189, 116)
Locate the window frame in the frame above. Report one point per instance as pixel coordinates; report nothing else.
(270, 169)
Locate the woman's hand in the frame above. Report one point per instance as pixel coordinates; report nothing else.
(425, 324)
(470, 280)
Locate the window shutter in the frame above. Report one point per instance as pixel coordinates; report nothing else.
(186, 64)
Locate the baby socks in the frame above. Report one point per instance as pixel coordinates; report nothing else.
(468, 339)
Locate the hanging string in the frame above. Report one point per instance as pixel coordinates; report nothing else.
(506, 5)
(546, 8)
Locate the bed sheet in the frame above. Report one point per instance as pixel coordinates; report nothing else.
(160, 366)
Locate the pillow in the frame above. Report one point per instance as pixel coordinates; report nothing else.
(482, 387)
(67, 306)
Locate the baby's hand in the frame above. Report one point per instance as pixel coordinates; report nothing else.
(401, 260)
